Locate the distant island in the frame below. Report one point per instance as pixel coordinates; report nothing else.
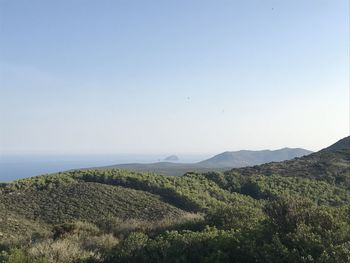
(221, 162)
(172, 158)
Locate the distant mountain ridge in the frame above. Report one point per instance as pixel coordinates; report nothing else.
(172, 158)
(247, 158)
(221, 162)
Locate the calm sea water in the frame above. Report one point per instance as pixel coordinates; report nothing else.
(17, 167)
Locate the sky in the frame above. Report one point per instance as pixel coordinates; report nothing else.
(177, 76)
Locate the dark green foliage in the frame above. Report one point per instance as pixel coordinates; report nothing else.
(308, 231)
(18, 256)
(294, 231)
(86, 201)
(232, 217)
(329, 166)
(271, 187)
(289, 212)
(191, 192)
(165, 168)
(63, 230)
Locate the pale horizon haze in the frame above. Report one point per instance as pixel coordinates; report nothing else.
(178, 77)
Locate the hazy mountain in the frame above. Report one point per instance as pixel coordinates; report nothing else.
(247, 158)
(172, 158)
(220, 162)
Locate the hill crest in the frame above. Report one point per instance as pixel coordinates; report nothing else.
(339, 145)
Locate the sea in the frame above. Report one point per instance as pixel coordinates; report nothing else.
(14, 167)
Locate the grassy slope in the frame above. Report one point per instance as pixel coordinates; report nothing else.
(15, 227)
(86, 201)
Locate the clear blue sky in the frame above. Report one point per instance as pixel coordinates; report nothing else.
(177, 76)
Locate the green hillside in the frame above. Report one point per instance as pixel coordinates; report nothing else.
(291, 211)
(86, 201)
(339, 145)
(165, 168)
(275, 186)
(330, 164)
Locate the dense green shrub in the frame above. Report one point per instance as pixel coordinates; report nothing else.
(274, 186)
(96, 216)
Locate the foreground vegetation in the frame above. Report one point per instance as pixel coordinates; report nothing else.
(249, 215)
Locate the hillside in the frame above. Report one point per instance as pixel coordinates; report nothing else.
(289, 211)
(86, 201)
(164, 168)
(220, 162)
(342, 144)
(331, 164)
(94, 194)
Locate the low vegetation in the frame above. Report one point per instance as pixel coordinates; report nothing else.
(329, 166)
(294, 211)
